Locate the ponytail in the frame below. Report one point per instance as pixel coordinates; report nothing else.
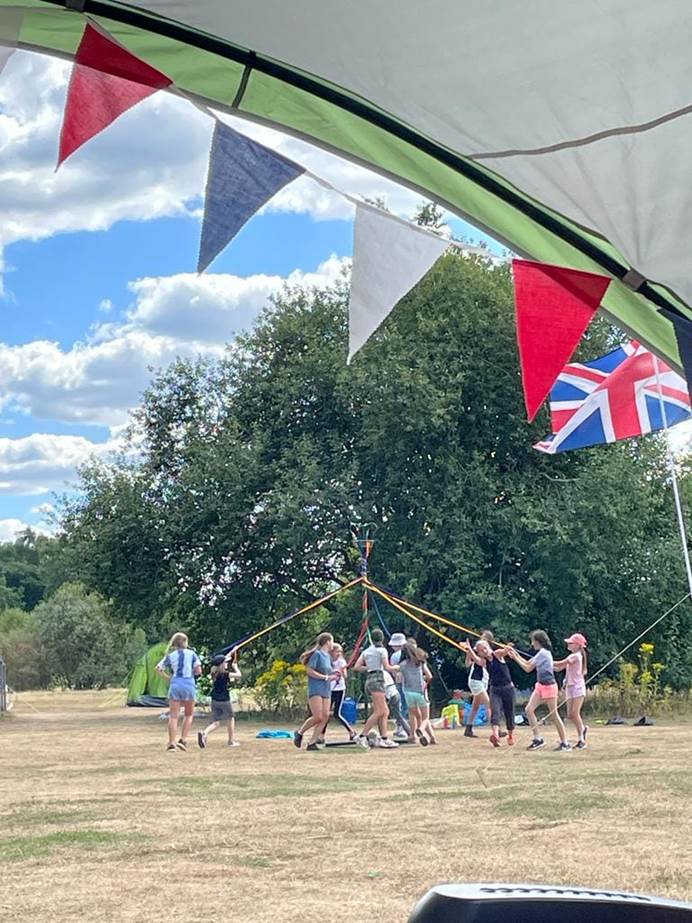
(321, 640)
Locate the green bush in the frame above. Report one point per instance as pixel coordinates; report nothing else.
(282, 689)
(639, 690)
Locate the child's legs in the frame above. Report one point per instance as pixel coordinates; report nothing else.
(426, 726)
(395, 711)
(173, 715)
(189, 707)
(402, 701)
(574, 713)
(211, 727)
(495, 710)
(231, 730)
(337, 702)
(379, 711)
(531, 707)
(414, 719)
(509, 698)
(321, 715)
(315, 716)
(554, 716)
(480, 699)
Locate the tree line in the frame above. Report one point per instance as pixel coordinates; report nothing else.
(245, 475)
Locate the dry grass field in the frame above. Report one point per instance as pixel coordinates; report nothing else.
(99, 822)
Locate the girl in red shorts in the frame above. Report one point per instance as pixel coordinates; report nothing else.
(545, 691)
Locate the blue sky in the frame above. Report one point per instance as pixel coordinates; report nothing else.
(98, 269)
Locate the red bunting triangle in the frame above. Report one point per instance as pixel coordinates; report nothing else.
(106, 81)
(554, 306)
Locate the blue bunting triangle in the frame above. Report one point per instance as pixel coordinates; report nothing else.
(683, 334)
(242, 176)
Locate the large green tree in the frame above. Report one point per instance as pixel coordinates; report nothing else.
(251, 470)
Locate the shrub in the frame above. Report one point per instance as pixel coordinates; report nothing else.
(282, 689)
(638, 690)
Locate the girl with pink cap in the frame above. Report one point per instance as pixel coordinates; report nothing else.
(575, 667)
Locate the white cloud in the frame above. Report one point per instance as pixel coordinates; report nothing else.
(10, 528)
(98, 381)
(211, 308)
(41, 462)
(105, 306)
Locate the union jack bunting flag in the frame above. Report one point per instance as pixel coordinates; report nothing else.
(614, 397)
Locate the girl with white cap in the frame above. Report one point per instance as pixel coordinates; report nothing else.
(396, 642)
(575, 667)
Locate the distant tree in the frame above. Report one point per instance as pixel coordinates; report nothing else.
(429, 215)
(85, 644)
(251, 469)
(30, 566)
(21, 649)
(10, 597)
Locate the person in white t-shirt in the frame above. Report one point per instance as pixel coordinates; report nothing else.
(375, 662)
(338, 685)
(396, 643)
(402, 730)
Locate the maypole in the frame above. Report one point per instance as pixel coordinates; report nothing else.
(674, 478)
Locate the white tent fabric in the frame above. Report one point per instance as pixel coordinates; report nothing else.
(503, 76)
(10, 24)
(389, 257)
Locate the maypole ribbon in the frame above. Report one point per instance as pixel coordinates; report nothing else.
(435, 615)
(393, 602)
(237, 645)
(464, 629)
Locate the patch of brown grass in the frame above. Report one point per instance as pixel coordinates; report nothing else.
(94, 813)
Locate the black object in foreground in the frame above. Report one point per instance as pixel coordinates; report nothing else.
(543, 904)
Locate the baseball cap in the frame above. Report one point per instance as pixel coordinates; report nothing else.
(576, 638)
(218, 660)
(397, 640)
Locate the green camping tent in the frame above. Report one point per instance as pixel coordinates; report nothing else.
(146, 687)
(550, 125)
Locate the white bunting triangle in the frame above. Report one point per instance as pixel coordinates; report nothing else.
(389, 257)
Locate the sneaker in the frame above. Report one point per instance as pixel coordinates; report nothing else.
(400, 735)
(580, 745)
(494, 740)
(202, 740)
(181, 745)
(321, 740)
(564, 747)
(361, 742)
(233, 743)
(387, 744)
(468, 731)
(586, 731)
(312, 747)
(510, 740)
(536, 744)
(297, 739)
(422, 738)
(171, 747)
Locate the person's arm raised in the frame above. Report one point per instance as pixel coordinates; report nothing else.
(527, 665)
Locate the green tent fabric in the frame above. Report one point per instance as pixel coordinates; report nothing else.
(146, 687)
(549, 125)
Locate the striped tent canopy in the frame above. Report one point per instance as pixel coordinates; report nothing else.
(559, 128)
